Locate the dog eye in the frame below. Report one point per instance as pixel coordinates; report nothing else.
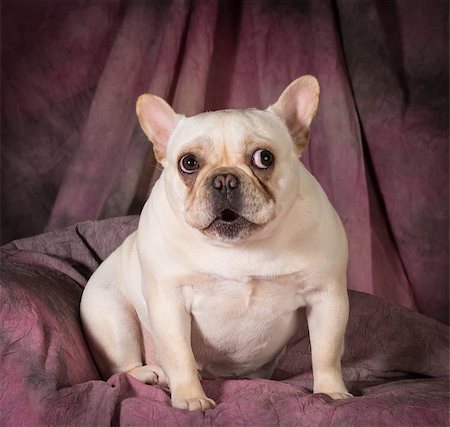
(188, 163)
(262, 159)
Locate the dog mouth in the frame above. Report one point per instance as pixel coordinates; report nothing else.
(229, 225)
(228, 216)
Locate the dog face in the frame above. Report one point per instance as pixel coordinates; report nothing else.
(231, 174)
(229, 170)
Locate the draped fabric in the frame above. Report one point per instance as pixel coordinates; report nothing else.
(395, 361)
(72, 149)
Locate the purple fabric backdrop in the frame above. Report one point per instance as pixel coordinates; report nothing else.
(395, 360)
(72, 149)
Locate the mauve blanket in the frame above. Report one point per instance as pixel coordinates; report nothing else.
(395, 362)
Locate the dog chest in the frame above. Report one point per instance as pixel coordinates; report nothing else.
(249, 297)
(241, 325)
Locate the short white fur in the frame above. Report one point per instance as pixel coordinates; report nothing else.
(172, 302)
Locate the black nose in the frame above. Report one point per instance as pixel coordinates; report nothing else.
(225, 182)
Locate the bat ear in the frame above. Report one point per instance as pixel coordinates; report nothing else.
(158, 120)
(297, 106)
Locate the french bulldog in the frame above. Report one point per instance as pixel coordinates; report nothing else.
(236, 240)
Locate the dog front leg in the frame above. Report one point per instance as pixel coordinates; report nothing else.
(171, 330)
(327, 319)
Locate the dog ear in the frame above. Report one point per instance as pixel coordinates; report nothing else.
(158, 120)
(297, 106)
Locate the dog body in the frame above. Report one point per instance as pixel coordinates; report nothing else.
(236, 243)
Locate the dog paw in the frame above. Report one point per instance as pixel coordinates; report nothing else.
(195, 404)
(338, 395)
(150, 374)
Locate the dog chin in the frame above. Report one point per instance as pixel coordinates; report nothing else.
(229, 228)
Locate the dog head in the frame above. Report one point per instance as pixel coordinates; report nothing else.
(232, 174)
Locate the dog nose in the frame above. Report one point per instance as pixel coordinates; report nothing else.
(225, 182)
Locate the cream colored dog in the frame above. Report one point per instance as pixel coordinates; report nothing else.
(235, 238)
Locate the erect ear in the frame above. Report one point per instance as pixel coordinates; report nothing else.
(157, 120)
(297, 106)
